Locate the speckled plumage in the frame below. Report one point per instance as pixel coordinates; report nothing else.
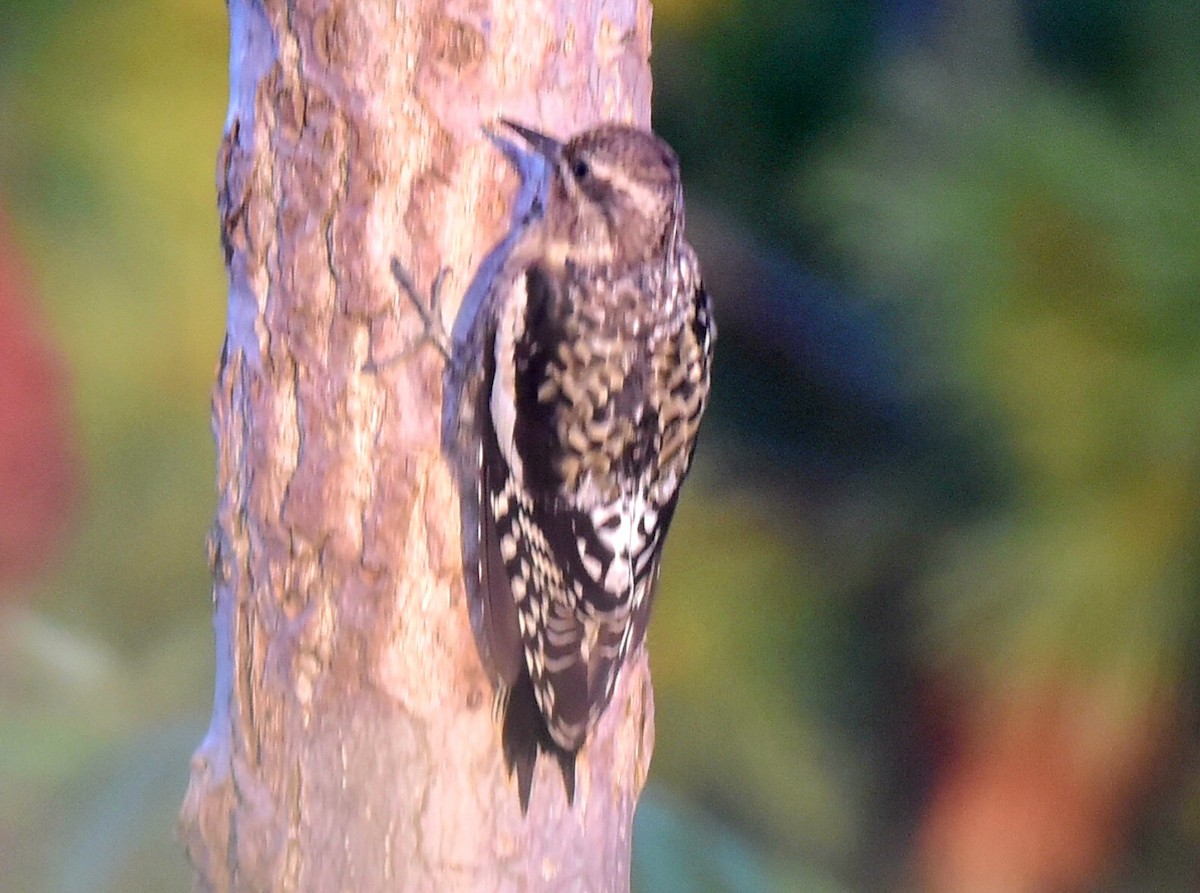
(586, 377)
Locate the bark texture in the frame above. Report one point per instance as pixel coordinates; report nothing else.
(352, 744)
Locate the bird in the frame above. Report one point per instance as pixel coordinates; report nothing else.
(577, 385)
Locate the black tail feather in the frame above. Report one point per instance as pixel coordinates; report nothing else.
(524, 735)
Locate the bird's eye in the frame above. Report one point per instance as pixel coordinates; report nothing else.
(580, 169)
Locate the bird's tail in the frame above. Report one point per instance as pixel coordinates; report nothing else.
(524, 736)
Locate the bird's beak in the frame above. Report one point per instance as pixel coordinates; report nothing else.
(548, 147)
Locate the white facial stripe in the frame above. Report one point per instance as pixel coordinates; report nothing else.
(640, 195)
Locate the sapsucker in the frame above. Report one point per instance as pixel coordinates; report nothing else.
(577, 389)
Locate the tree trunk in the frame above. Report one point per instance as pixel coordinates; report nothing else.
(352, 744)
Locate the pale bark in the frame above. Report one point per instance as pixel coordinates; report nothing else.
(352, 744)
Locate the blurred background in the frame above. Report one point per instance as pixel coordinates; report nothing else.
(928, 618)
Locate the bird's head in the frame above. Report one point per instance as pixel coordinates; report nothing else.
(614, 197)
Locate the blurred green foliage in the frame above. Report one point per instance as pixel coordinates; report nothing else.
(107, 169)
(111, 117)
(1045, 255)
(1002, 196)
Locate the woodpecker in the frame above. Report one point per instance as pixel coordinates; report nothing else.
(577, 390)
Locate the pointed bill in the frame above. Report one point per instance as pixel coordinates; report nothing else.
(546, 146)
